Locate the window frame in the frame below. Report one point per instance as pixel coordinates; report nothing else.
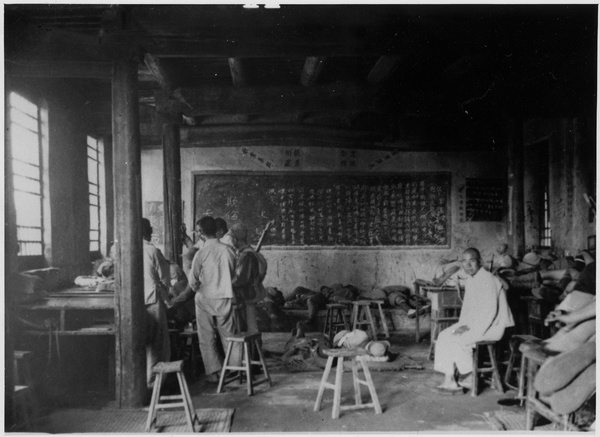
(41, 119)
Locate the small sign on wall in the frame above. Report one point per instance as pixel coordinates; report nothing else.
(485, 200)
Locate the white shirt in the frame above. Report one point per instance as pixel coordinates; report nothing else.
(212, 270)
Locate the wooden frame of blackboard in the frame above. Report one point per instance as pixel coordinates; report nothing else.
(292, 173)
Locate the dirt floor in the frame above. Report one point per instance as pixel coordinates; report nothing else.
(408, 397)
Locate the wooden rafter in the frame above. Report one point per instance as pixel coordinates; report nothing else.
(158, 71)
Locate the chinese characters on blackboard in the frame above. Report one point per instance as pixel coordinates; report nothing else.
(347, 210)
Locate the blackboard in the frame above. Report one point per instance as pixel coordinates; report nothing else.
(485, 199)
(154, 212)
(319, 209)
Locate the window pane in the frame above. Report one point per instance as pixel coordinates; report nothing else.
(29, 234)
(28, 248)
(23, 104)
(29, 209)
(24, 144)
(26, 184)
(94, 217)
(24, 120)
(25, 169)
(93, 198)
(94, 235)
(94, 246)
(92, 171)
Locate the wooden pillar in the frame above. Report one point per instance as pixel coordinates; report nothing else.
(109, 192)
(516, 212)
(172, 190)
(129, 274)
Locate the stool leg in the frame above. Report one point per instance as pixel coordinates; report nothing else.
(186, 402)
(495, 372)
(248, 370)
(263, 364)
(155, 395)
(522, 369)
(371, 386)
(371, 322)
(344, 319)
(188, 399)
(475, 390)
(355, 312)
(529, 411)
(224, 369)
(511, 360)
(327, 327)
(357, 395)
(323, 382)
(383, 321)
(433, 335)
(337, 391)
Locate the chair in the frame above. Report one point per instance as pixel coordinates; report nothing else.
(341, 354)
(335, 319)
(249, 341)
(514, 344)
(534, 357)
(184, 397)
(483, 369)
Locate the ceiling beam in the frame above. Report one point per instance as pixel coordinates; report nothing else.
(239, 72)
(383, 69)
(313, 67)
(158, 71)
(66, 69)
(272, 99)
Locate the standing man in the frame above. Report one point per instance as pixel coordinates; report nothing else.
(156, 294)
(247, 281)
(210, 277)
(484, 316)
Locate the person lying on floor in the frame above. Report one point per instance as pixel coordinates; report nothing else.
(484, 316)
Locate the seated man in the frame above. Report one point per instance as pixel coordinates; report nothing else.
(484, 316)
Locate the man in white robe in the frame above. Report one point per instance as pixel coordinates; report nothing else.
(484, 317)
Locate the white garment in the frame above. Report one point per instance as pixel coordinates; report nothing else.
(212, 270)
(485, 312)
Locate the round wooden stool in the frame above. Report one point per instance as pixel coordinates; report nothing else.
(493, 366)
(340, 354)
(184, 397)
(335, 319)
(250, 342)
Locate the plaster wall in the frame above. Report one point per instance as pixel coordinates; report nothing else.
(572, 155)
(365, 268)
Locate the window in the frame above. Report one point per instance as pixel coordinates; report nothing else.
(95, 160)
(546, 234)
(28, 127)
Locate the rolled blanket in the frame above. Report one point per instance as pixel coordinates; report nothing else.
(574, 395)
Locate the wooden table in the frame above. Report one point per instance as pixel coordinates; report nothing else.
(440, 297)
(75, 312)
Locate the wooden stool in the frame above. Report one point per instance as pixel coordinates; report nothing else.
(250, 342)
(184, 396)
(189, 347)
(340, 354)
(361, 316)
(493, 369)
(516, 341)
(23, 406)
(335, 318)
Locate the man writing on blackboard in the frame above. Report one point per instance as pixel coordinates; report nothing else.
(211, 277)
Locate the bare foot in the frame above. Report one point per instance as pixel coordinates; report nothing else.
(448, 386)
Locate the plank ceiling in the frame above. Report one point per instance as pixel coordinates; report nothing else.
(426, 76)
